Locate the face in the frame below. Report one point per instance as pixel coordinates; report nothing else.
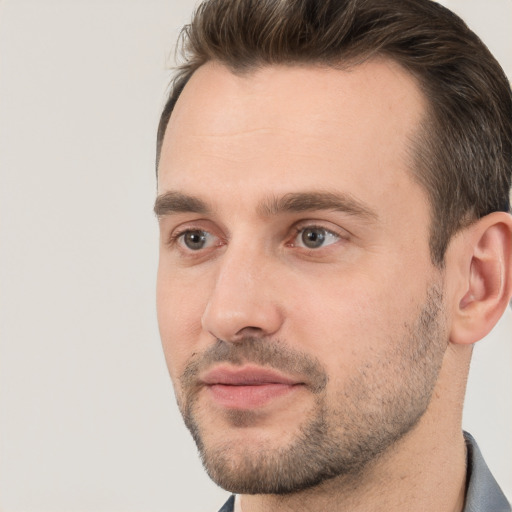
(299, 311)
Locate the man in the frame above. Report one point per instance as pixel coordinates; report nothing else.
(333, 198)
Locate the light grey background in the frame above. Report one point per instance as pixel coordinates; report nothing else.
(87, 414)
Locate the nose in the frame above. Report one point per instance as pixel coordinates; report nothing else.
(244, 298)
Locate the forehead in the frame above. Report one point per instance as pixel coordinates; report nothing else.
(276, 128)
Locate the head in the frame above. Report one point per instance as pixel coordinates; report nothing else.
(333, 177)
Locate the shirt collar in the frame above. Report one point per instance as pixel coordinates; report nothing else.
(483, 492)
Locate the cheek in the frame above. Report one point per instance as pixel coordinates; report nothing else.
(179, 311)
(351, 321)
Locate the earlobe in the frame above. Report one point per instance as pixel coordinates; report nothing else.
(487, 278)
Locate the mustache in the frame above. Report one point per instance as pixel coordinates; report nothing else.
(261, 351)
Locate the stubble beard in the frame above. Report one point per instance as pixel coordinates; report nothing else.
(339, 437)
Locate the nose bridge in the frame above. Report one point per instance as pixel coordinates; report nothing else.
(242, 300)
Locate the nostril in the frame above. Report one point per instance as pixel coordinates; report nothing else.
(249, 331)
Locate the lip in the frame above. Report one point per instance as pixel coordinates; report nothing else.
(247, 387)
(248, 375)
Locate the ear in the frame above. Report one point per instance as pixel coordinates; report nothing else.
(485, 285)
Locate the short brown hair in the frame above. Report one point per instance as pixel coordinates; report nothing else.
(463, 155)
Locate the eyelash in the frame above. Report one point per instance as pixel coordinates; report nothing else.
(174, 238)
(303, 227)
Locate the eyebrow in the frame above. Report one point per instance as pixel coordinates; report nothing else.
(176, 202)
(173, 202)
(309, 201)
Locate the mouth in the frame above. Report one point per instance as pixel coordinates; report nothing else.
(247, 387)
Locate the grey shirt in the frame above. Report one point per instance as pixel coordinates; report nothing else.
(483, 494)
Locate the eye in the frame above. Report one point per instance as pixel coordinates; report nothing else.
(314, 237)
(196, 239)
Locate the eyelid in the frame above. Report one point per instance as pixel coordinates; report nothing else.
(330, 239)
(179, 231)
(327, 226)
(174, 230)
(178, 234)
(175, 239)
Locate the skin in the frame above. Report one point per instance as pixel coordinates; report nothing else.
(236, 143)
